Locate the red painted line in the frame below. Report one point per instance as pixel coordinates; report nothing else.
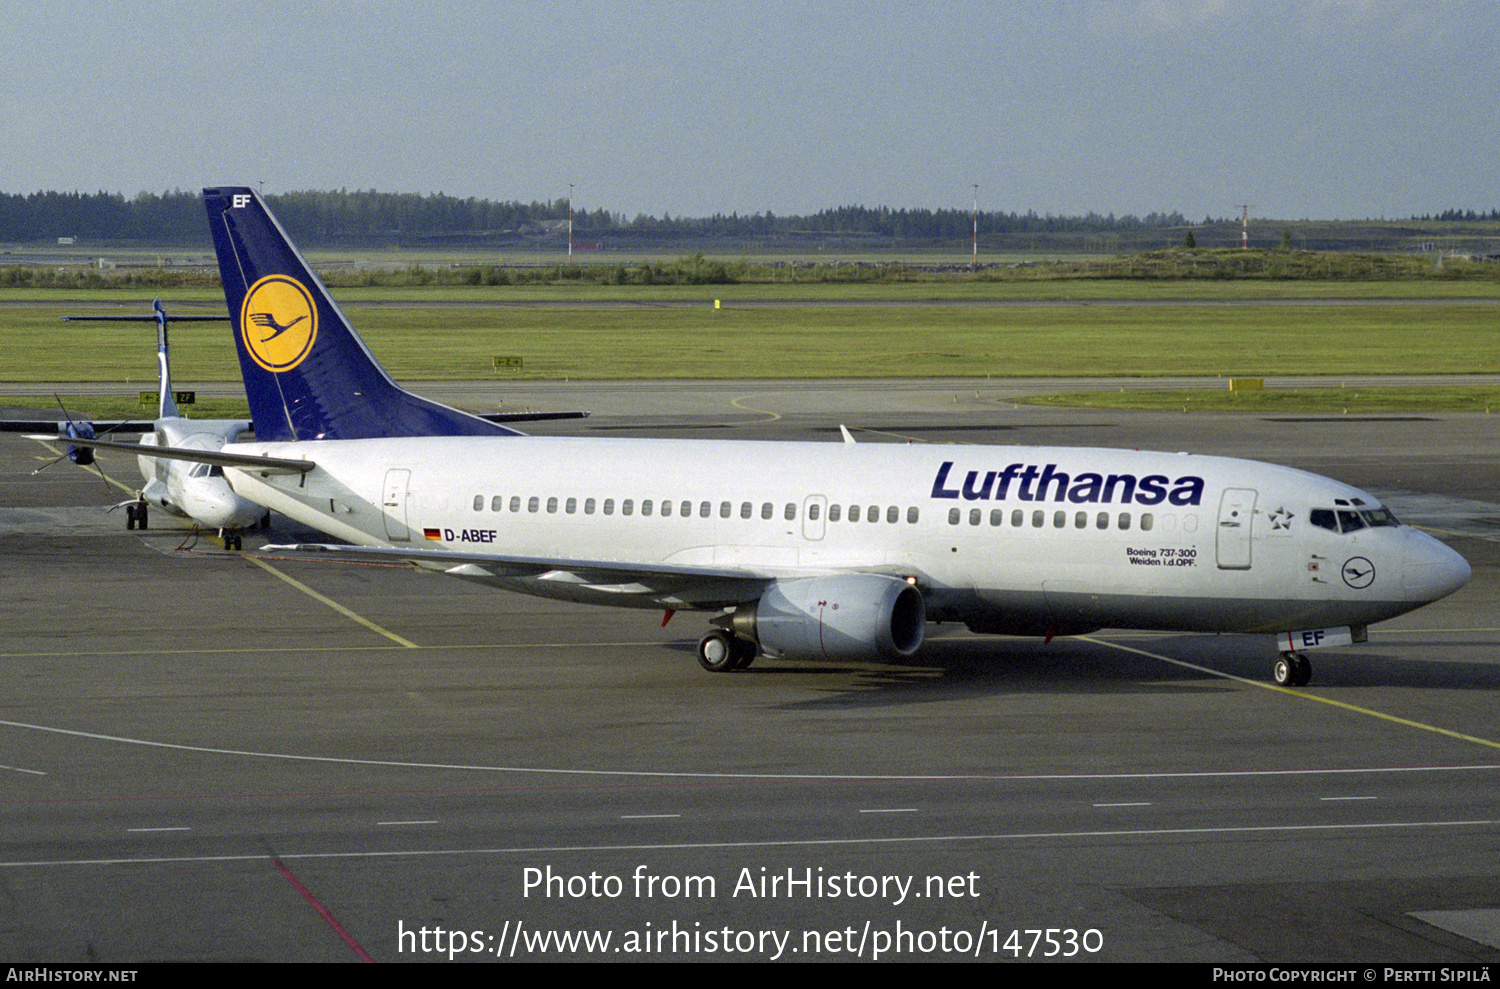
(323, 911)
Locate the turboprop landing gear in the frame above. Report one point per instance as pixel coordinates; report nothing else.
(720, 652)
(135, 515)
(1291, 669)
(232, 539)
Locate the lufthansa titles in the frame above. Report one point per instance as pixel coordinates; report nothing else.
(1031, 483)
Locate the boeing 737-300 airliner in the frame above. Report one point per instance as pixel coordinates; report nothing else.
(795, 549)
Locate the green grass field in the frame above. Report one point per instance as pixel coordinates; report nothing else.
(845, 330)
(906, 292)
(1362, 400)
(814, 341)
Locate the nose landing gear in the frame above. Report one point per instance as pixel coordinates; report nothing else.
(1291, 669)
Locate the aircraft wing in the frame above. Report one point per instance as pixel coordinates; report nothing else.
(668, 584)
(672, 585)
(146, 425)
(61, 426)
(244, 461)
(508, 565)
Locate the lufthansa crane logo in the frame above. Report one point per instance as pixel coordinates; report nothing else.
(1359, 572)
(279, 322)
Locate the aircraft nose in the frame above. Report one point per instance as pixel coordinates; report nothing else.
(1430, 569)
(214, 505)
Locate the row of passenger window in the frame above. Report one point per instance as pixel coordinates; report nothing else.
(836, 513)
(870, 513)
(1102, 520)
(685, 509)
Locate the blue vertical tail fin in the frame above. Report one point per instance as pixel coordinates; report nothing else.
(308, 375)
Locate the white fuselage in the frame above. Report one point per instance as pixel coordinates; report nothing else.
(195, 491)
(1007, 539)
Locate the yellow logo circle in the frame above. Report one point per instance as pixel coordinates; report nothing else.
(278, 322)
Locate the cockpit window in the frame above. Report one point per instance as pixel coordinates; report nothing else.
(199, 470)
(1345, 520)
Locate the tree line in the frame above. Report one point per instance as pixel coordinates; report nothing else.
(1461, 216)
(368, 216)
(326, 216)
(178, 217)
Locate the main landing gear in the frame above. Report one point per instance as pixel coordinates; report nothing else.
(135, 515)
(1291, 669)
(720, 652)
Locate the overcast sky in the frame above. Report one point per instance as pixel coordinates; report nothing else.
(1338, 109)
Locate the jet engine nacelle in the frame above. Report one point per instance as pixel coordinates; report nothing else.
(854, 616)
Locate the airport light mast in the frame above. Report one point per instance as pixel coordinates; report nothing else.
(974, 260)
(570, 223)
(1244, 209)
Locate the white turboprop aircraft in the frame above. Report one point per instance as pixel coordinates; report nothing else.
(797, 550)
(196, 491)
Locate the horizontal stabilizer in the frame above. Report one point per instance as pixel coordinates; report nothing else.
(149, 318)
(531, 416)
(243, 461)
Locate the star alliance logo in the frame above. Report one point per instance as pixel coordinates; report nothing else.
(1281, 519)
(278, 322)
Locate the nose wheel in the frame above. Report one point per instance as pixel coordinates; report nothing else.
(1291, 669)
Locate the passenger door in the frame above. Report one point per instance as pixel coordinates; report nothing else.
(394, 503)
(1236, 513)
